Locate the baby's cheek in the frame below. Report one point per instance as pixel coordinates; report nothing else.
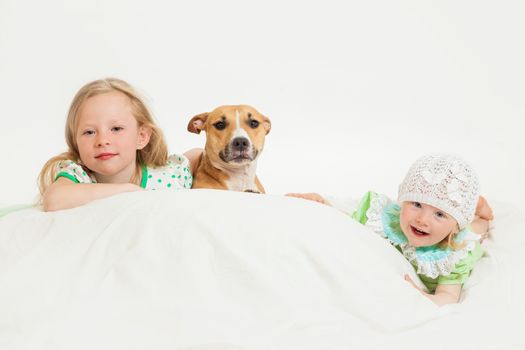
(403, 221)
(402, 214)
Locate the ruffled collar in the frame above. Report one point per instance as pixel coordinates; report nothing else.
(430, 261)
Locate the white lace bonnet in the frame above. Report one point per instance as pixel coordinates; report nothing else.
(444, 181)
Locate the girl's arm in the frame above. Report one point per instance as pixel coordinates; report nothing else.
(65, 194)
(194, 156)
(316, 197)
(444, 294)
(480, 226)
(481, 222)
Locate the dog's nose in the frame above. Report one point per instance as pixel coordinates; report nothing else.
(240, 143)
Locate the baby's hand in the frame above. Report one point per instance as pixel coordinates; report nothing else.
(409, 280)
(413, 284)
(444, 294)
(310, 196)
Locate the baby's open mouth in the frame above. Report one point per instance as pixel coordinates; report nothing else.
(418, 232)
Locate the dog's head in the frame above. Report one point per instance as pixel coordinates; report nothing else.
(234, 134)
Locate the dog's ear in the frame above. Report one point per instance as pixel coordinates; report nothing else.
(267, 124)
(196, 123)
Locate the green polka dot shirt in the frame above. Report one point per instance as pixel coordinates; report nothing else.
(174, 175)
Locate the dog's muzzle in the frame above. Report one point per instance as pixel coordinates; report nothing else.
(239, 150)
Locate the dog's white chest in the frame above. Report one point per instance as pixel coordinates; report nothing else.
(243, 180)
(241, 185)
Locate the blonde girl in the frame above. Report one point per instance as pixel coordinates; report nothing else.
(114, 146)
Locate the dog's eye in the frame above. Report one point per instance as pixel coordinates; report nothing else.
(220, 125)
(254, 124)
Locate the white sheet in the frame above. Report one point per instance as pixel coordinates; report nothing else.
(217, 270)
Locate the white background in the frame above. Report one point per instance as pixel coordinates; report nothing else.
(356, 90)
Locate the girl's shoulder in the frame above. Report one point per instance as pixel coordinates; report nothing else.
(376, 209)
(177, 159)
(73, 171)
(175, 174)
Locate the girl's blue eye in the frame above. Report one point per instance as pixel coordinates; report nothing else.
(116, 128)
(440, 214)
(88, 132)
(416, 204)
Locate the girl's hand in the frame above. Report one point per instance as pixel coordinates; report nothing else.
(409, 280)
(309, 196)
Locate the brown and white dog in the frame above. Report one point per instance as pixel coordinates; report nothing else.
(234, 139)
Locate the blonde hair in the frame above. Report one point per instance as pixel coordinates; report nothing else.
(448, 242)
(155, 153)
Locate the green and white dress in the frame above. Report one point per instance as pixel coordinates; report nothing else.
(434, 265)
(174, 175)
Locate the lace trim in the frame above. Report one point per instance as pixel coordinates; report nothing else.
(440, 267)
(375, 212)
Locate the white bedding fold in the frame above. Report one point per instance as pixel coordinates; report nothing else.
(206, 269)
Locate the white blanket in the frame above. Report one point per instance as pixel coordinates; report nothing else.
(216, 270)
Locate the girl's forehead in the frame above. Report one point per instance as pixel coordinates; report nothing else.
(107, 107)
